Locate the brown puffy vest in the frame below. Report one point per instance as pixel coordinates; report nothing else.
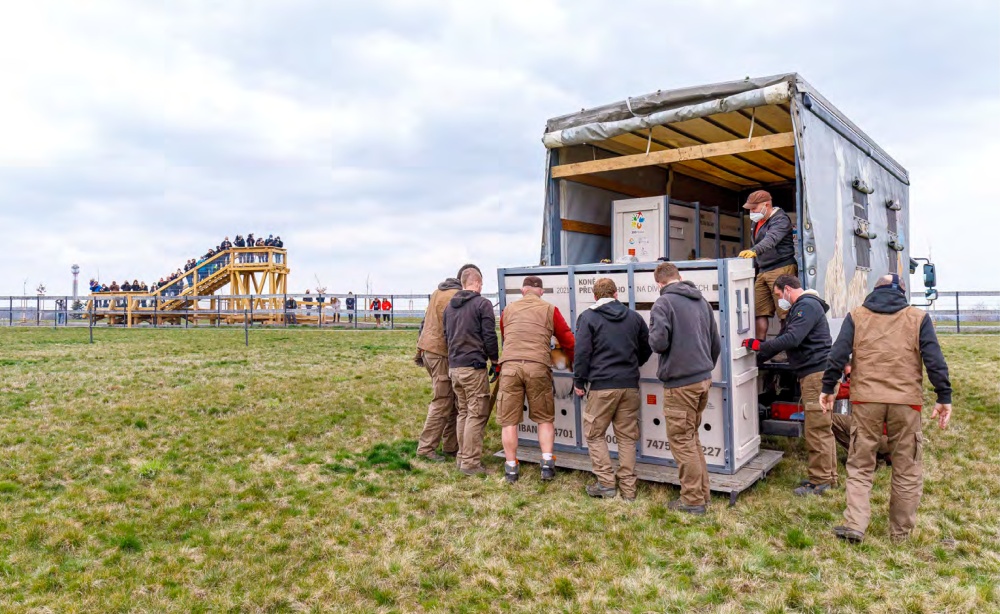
(887, 366)
(527, 330)
(432, 336)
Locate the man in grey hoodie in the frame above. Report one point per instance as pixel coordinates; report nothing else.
(683, 332)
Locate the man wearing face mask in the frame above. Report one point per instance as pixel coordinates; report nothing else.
(806, 339)
(774, 250)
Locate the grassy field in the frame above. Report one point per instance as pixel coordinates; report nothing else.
(178, 470)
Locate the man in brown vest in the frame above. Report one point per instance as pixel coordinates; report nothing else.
(527, 327)
(432, 354)
(891, 344)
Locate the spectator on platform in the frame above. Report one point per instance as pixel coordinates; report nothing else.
(114, 286)
(278, 242)
(269, 241)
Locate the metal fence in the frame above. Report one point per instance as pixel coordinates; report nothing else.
(137, 310)
(966, 312)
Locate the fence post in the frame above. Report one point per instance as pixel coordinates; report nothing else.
(284, 302)
(10, 321)
(392, 312)
(246, 330)
(958, 315)
(92, 302)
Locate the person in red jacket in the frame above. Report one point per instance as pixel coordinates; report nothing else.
(386, 309)
(527, 327)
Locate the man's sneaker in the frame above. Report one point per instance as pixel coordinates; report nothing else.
(432, 456)
(603, 492)
(511, 473)
(478, 470)
(548, 469)
(811, 489)
(679, 506)
(849, 535)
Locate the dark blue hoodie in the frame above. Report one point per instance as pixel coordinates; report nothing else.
(806, 337)
(612, 342)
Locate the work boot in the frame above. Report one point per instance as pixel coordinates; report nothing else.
(549, 469)
(679, 506)
(602, 492)
(478, 470)
(848, 535)
(452, 454)
(511, 473)
(432, 456)
(811, 489)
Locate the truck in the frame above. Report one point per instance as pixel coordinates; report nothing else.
(663, 177)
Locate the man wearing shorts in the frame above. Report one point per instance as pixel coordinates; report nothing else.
(774, 251)
(527, 327)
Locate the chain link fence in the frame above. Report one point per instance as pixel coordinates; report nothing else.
(966, 312)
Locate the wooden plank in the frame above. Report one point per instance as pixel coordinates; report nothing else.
(597, 181)
(668, 156)
(629, 144)
(754, 471)
(663, 141)
(586, 228)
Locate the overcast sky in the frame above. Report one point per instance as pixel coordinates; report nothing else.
(401, 138)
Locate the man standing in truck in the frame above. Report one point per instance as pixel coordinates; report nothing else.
(774, 251)
(806, 339)
(889, 345)
(612, 342)
(527, 327)
(683, 332)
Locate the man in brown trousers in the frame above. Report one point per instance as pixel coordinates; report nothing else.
(612, 342)
(432, 354)
(470, 329)
(891, 344)
(683, 332)
(527, 327)
(806, 339)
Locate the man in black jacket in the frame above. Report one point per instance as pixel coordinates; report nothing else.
(612, 342)
(806, 339)
(683, 332)
(470, 332)
(774, 251)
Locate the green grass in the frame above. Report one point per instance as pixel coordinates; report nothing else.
(177, 470)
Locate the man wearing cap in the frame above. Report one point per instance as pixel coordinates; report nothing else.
(774, 249)
(527, 327)
(432, 354)
(891, 343)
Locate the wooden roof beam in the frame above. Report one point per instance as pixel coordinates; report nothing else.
(669, 156)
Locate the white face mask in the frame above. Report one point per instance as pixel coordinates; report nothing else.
(783, 304)
(756, 217)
